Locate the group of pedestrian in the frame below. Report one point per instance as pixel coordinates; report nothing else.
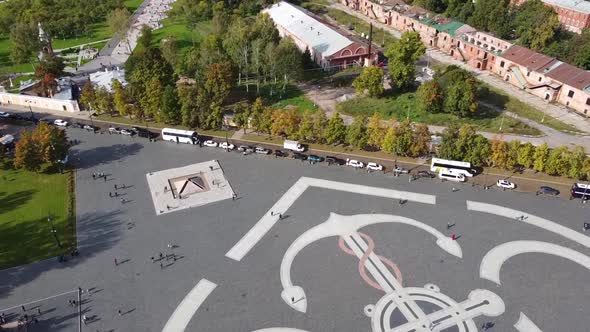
(272, 213)
(99, 175)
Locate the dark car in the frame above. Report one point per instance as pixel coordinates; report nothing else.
(281, 153)
(426, 174)
(142, 132)
(299, 156)
(90, 127)
(545, 190)
(335, 160)
(262, 150)
(77, 125)
(314, 158)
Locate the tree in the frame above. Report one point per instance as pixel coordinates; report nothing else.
(24, 39)
(305, 132)
(88, 96)
(540, 157)
(50, 64)
(51, 142)
(586, 169)
(170, 109)
(146, 37)
(336, 131)
(535, 24)
(257, 61)
(237, 44)
(448, 147)
(256, 113)
(27, 154)
(479, 151)
(460, 98)
(429, 97)
(319, 126)
(285, 122)
(169, 48)
(151, 99)
(264, 28)
(499, 153)
(525, 156)
(404, 137)
(420, 144)
(575, 160)
(557, 162)
(492, 15)
(370, 82)
(266, 120)
(465, 139)
(215, 117)
(513, 147)
(103, 101)
(402, 55)
(120, 98)
(375, 132)
(388, 144)
(356, 133)
(189, 106)
(118, 21)
(242, 115)
(218, 82)
(288, 59)
(306, 60)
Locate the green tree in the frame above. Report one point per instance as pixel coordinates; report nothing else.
(576, 162)
(535, 24)
(460, 99)
(557, 162)
(215, 117)
(448, 146)
(264, 28)
(151, 99)
(169, 47)
(88, 96)
(404, 137)
(51, 142)
(24, 39)
(388, 144)
(120, 98)
(540, 157)
(513, 148)
(336, 131)
(266, 120)
(305, 132)
(146, 37)
(189, 106)
(237, 42)
(306, 60)
(218, 82)
(429, 97)
(525, 156)
(319, 126)
(356, 133)
(479, 153)
(169, 106)
(118, 21)
(288, 57)
(104, 101)
(256, 114)
(402, 55)
(242, 115)
(375, 131)
(499, 153)
(370, 82)
(285, 123)
(26, 153)
(420, 144)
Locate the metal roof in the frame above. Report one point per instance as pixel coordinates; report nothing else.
(575, 5)
(527, 58)
(572, 76)
(316, 35)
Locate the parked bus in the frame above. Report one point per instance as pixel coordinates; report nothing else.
(459, 167)
(180, 136)
(580, 190)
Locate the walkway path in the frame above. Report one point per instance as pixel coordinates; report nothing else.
(556, 111)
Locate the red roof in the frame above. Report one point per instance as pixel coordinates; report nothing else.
(571, 75)
(527, 58)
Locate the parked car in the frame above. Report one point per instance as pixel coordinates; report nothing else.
(210, 143)
(226, 145)
(114, 130)
(400, 170)
(299, 156)
(90, 127)
(545, 190)
(354, 163)
(4, 115)
(77, 125)
(142, 132)
(426, 174)
(504, 184)
(262, 150)
(60, 123)
(245, 148)
(314, 158)
(335, 160)
(127, 132)
(281, 153)
(374, 166)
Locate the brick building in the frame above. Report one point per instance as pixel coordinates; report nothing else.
(574, 15)
(328, 48)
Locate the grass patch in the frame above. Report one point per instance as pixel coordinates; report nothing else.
(27, 199)
(359, 26)
(132, 5)
(185, 38)
(498, 98)
(292, 97)
(404, 105)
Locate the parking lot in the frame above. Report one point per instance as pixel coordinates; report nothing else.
(231, 257)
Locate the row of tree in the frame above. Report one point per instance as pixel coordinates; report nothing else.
(44, 145)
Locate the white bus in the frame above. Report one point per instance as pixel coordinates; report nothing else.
(180, 136)
(459, 167)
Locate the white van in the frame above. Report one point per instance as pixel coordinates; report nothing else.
(449, 174)
(293, 145)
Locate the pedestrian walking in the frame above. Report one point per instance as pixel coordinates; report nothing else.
(280, 216)
(115, 186)
(122, 200)
(586, 226)
(119, 312)
(110, 194)
(116, 262)
(161, 266)
(167, 207)
(23, 307)
(38, 311)
(152, 258)
(272, 213)
(161, 255)
(454, 189)
(453, 237)
(449, 225)
(93, 176)
(116, 194)
(105, 178)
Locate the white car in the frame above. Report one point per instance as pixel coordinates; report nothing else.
(374, 166)
(4, 114)
(226, 145)
(210, 143)
(354, 163)
(400, 170)
(505, 184)
(61, 123)
(127, 132)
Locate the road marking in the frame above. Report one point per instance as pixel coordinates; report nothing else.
(188, 307)
(524, 324)
(492, 262)
(531, 219)
(39, 300)
(256, 233)
(280, 329)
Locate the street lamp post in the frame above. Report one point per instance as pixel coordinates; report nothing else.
(53, 231)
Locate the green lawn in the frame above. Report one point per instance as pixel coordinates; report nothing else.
(292, 97)
(185, 38)
(404, 105)
(498, 98)
(132, 5)
(27, 199)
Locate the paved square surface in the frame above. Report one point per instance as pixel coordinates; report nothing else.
(307, 248)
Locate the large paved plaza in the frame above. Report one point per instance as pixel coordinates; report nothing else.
(305, 248)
